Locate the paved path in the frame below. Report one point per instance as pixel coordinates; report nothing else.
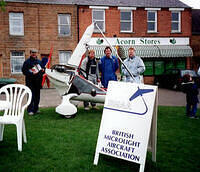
(50, 98)
(171, 98)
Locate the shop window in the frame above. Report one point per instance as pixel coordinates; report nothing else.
(180, 64)
(17, 60)
(64, 24)
(169, 65)
(159, 67)
(16, 24)
(126, 21)
(149, 68)
(64, 56)
(98, 16)
(176, 21)
(151, 21)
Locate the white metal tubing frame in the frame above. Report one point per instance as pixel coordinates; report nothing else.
(115, 52)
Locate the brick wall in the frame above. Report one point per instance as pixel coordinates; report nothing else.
(195, 44)
(40, 32)
(112, 26)
(41, 29)
(1, 70)
(112, 20)
(148, 80)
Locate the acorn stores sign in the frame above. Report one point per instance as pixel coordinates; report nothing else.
(141, 41)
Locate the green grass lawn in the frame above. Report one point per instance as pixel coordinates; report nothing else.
(59, 144)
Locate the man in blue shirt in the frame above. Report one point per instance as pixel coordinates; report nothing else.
(135, 65)
(108, 66)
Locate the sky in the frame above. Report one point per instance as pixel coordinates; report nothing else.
(192, 3)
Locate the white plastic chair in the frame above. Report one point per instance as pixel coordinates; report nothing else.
(19, 96)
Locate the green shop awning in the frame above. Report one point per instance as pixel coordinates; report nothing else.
(147, 51)
(175, 51)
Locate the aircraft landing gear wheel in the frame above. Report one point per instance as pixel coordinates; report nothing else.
(69, 116)
(175, 87)
(66, 108)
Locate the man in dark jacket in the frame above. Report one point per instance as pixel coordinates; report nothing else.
(90, 66)
(33, 71)
(191, 90)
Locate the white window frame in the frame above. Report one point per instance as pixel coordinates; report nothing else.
(67, 56)
(178, 22)
(15, 58)
(67, 25)
(93, 20)
(155, 22)
(16, 18)
(131, 21)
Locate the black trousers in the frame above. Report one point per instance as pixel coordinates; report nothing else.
(86, 104)
(34, 105)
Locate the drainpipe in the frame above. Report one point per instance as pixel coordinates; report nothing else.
(39, 28)
(77, 21)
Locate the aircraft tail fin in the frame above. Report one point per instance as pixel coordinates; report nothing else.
(45, 78)
(49, 58)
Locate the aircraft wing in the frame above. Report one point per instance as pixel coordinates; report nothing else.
(81, 47)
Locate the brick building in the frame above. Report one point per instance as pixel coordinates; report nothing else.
(35, 24)
(160, 31)
(195, 39)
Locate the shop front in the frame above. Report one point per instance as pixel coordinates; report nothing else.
(158, 54)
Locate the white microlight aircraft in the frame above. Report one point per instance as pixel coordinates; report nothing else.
(71, 85)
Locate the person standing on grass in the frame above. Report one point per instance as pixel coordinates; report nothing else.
(135, 65)
(90, 66)
(33, 71)
(108, 66)
(191, 90)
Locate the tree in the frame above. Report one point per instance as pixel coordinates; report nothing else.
(2, 5)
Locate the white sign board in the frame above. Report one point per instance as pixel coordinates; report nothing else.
(141, 41)
(126, 121)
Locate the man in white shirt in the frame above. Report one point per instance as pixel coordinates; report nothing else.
(135, 65)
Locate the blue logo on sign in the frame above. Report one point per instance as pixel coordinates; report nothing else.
(139, 92)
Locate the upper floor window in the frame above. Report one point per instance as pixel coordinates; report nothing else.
(126, 21)
(176, 21)
(152, 21)
(64, 24)
(64, 56)
(98, 16)
(16, 24)
(17, 59)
